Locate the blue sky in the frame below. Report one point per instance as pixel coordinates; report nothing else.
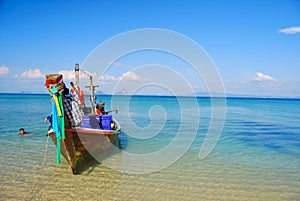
(255, 45)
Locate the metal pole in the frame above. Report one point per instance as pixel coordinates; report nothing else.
(92, 88)
(92, 93)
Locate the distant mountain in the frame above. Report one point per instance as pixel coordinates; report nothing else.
(32, 92)
(206, 94)
(122, 92)
(99, 92)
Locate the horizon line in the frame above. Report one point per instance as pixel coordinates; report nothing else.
(227, 96)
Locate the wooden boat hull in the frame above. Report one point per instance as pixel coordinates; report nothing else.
(83, 147)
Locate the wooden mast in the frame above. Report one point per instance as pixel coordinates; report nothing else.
(91, 86)
(77, 74)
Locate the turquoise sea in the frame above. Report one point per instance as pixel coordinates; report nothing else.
(257, 156)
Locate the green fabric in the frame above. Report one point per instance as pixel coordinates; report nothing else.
(62, 118)
(58, 119)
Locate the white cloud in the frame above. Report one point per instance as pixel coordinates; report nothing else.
(129, 76)
(290, 30)
(70, 74)
(67, 74)
(36, 73)
(108, 78)
(125, 76)
(262, 77)
(3, 71)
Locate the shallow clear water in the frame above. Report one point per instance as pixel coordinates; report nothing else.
(256, 158)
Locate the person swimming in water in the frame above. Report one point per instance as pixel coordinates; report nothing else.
(22, 131)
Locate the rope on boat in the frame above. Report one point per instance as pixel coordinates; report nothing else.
(45, 153)
(42, 166)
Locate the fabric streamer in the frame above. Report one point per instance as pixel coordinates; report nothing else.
(58, 119)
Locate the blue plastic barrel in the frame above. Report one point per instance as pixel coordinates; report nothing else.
(106, 122)
(90, 122)
(85, 123)
(99, 119)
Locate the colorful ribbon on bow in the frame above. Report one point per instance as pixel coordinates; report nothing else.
(58, 121)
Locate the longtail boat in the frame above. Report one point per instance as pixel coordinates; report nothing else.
(79, 134)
